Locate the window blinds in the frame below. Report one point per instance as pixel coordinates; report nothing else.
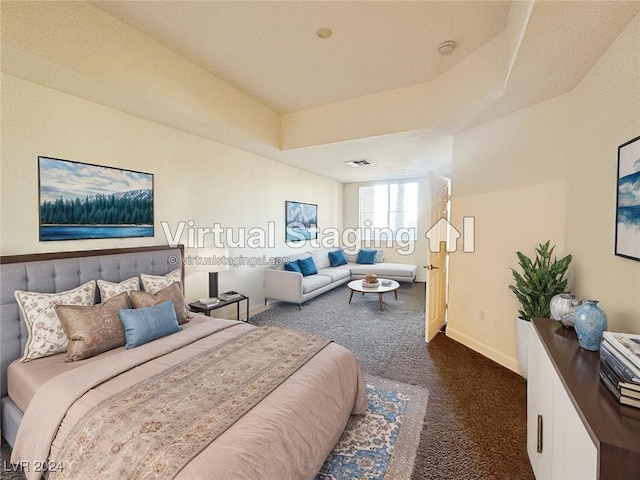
(388, 210)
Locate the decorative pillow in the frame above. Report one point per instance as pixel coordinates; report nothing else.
(337, 258)
(366, 257)
(307, 266)
(46, 334)
(293, 266)
(172, 293)
(109, 289)
(155, 283)
(94, 329)
(142, 325)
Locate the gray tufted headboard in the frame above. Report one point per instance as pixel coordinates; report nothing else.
(56, 272)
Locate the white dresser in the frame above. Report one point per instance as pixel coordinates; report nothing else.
(575, 428)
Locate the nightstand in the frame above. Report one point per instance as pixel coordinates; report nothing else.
(198, 307)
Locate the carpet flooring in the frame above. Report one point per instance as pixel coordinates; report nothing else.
(475, 425)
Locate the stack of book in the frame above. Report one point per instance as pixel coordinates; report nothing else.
(209, 301)
(620, 366)
(230, 295)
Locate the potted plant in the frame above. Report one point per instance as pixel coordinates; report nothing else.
(541, 279)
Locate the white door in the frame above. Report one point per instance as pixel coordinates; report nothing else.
(440, 236)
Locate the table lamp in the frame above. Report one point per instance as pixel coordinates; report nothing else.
(213, 260)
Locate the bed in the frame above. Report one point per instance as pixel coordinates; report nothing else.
(217, 399)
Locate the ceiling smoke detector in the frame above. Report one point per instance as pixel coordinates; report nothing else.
(445, 48)
(358, 163)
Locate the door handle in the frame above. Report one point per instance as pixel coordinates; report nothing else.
(539, 445)
(432, 267)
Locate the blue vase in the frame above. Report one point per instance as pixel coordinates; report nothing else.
(590, 321)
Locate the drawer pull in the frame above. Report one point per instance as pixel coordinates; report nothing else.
(539, 449)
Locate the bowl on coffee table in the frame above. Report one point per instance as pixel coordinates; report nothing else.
(370, 281)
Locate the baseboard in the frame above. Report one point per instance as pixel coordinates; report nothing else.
(489, 352)
(228, 312)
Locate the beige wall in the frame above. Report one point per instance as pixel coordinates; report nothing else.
(607, 106)
(79, 84)
(75, 47)
(195, 178)
(547, 173)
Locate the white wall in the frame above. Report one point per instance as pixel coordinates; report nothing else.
(547, 172)
(195, 178)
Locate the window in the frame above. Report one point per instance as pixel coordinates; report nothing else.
(389, 211)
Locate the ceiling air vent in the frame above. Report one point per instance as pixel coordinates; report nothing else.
(358, 163)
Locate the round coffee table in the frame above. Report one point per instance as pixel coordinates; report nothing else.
(356, 286)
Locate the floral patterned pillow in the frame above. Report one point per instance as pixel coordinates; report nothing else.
(155, 283)
(109, 289)
(46, 335)
(93, 329)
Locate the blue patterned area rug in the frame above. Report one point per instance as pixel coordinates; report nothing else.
(382, 443)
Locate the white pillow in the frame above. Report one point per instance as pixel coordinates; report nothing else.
(155, 283)
(46, 334)
(109, 289)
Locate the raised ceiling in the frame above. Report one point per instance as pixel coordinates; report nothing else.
(378, 88)
(255, 76)
(270, 50)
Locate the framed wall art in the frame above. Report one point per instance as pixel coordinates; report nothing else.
(301, 221)
(628, 200)
(83, 201)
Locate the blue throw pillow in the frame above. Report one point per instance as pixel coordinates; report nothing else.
(308, 266)
(292, 266)
(367, 257)
(141, 325)
(337, 258)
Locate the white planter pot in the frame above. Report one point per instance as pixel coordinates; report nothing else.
(522, 334)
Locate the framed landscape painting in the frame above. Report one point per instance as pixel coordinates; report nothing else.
(301, 221)
(628, 200)
(82, 201)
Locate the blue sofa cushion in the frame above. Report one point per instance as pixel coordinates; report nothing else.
(366, 257)
(307, 266)
(142, 325)
(337, 258)
(292, 266)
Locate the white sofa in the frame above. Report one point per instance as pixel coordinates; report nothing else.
(293, 287)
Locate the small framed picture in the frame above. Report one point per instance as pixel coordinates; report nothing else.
(301, 221)
(628, 201)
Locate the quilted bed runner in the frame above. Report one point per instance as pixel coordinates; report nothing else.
(154, 428)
